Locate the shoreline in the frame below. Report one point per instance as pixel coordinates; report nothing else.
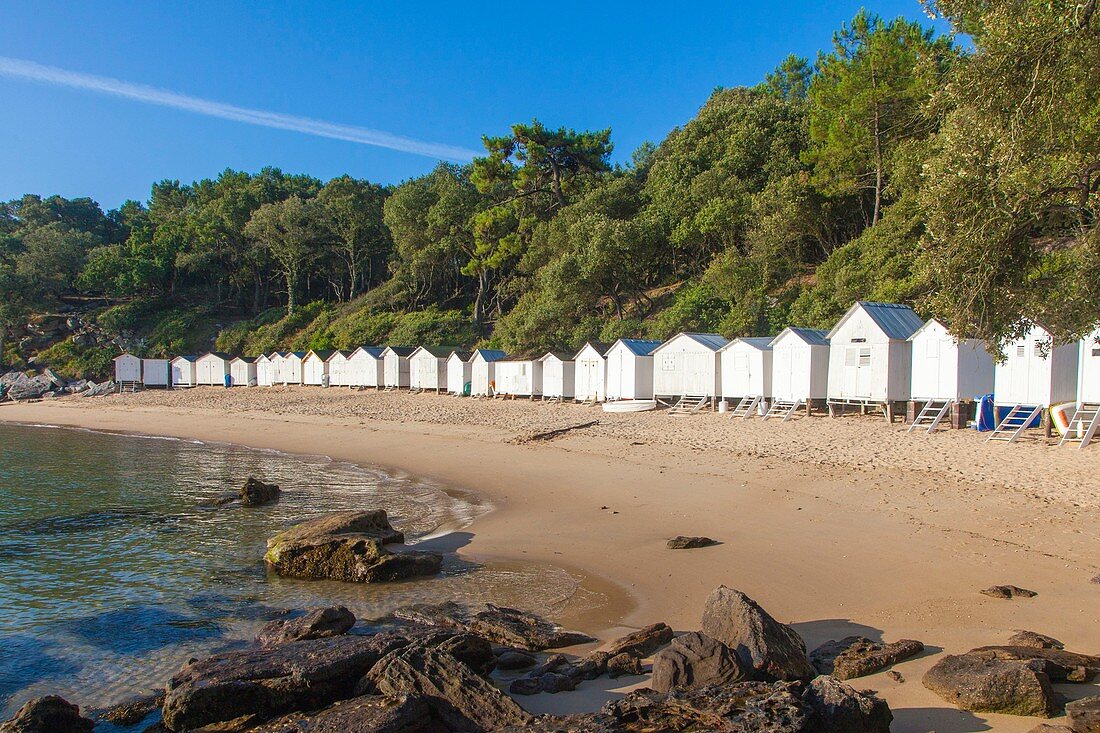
(835, 550)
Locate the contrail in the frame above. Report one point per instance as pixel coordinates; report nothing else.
(20, 69)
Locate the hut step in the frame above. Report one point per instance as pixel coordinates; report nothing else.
(747, 407)
(783, 409)
(1083, 425)
(930, 415)
(1015, 422)
(688, 405)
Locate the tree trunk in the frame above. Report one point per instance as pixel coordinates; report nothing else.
(291, 286)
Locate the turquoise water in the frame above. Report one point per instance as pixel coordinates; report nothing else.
(112, 575)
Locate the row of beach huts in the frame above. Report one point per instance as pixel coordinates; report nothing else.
(878, 357)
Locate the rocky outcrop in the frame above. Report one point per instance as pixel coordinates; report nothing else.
(1058, 664)
(458, 698)
(774, 650)
(513, 659)
(257, 493)
(498, 624)
(696, 660)
(681, 542)
(264, 682)
(318, 623)
(374, 713)
(837, 708)
(49, 714)
(858, 656)
(1007, 592)
(1083, 715)
(982, 682)
(643, 642)
(1034, 639)
(347, 546)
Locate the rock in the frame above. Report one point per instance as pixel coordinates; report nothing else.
(525, 686)
(1049, 728)
(319, 623)
(896, 676)
(553, 683)
(623, 665)
(643, 642)
(1035, 640)
(218, 501)
(513, 659)
(373, 713)
(690, 543)
(473, 651)
(460, 699)
(858, 656)
(55, 379)
(696, 660)
(347, 546)
(29, 389)
(1095, 579)
(257, 493)
(49, 714)
(101, 389)
(981, 682)
(1058, 664)
(837, 708)
(774, 650)
(270, 681)
(132, 711)
(1008, 591)
(1083, 715)
(498, 624)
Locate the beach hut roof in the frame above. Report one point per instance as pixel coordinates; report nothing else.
(438, 352)
(220, 354)
(245, 359)
(339, 352)
(638, 347)
(375, 351)
(600, 347)
(489, 354)
(186, 357)
(810, 336)
(712, 341)
(299, 354)
(400, 350)
(322, 354)
(896, 321)
(463, 355)
(760, 343)
(559, 355)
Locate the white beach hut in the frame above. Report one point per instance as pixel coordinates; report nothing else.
(290, 367)
(590, 373)
(128, 369)
(747, 373)
(265, 370)
(519, 377)
(686, 368)
(242, 371)
(630, 369)
(871, 357)
(558, 376)
(428, 368)
(184, 373)
(1036, 371)
(156, 372)
(1088, 369)
(483, 371)
(338, 371)
(315, 367)
(458, 372)
(395, 361)
(211, 369)
(365, 367)
(947, 368)
(800, 368)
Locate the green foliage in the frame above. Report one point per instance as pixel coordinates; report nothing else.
(79, 362)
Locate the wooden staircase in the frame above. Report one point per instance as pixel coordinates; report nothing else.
(783, 409)
(930, 415)
(129, 387)
(1083, 425)
(688, 405)
(746, 407)
(1015, 422)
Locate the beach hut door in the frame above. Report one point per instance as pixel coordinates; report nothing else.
(857, 371)
(783, 368)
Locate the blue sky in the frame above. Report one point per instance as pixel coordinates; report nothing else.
(442, 73)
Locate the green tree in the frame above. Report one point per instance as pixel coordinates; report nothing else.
(353, 213)
(290, 230)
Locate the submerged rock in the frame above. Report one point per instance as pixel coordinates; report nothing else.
(1008, 591)
(373, 713)
(857, 656)
(774, 650)
(132, 711)
(257, 493)
(982, 682)
(498, 624)
(319, 623)
(690, 543)
(347, 546)
(696, 660)
(49, 714)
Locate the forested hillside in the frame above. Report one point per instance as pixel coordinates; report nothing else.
(960, 174)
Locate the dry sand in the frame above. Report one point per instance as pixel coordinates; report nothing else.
(846, 526)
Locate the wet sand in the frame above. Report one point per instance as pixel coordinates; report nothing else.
(847, 526)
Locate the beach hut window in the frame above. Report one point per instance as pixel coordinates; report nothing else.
(859, 340)
(932, 348)
(1039, 350)
(1020, 350)
(668, 362)
(865, 357)
(1096, 352)
(851, 356)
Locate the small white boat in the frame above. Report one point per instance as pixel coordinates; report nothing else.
(630, 405)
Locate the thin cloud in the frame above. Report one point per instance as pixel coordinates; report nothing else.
(30, 71)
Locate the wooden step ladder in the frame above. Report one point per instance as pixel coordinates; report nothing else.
(1015, 422)
(1083, 425)
(688, 405)
(930, 415)
(133, 387)
(784, 409)
(746, 407)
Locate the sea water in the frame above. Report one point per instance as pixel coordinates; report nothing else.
(113, 574)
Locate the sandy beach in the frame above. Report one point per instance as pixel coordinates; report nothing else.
(840, 527)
